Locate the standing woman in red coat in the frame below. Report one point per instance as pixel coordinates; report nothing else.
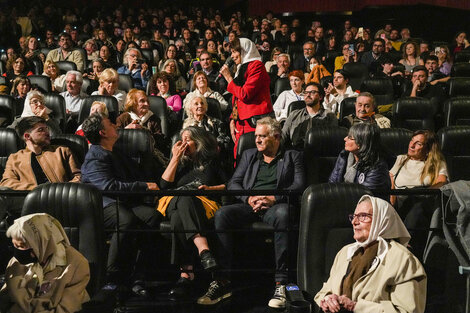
(250, 89)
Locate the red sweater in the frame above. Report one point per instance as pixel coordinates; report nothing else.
(253, 98)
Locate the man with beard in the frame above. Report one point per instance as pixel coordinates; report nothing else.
(300, 121)
(39, 162)
(65, 52)
(365, 113)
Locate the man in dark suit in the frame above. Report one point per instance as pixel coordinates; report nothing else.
(302, 62)
(267, 167)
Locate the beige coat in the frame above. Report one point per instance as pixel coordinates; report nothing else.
(67, 291)
(57, 163)
(397, 284)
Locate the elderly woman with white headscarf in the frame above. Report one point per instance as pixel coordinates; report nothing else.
(250, 88)
(377, 273)
(46, 274)
(34, 105)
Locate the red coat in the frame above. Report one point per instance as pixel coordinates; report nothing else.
(253, 98)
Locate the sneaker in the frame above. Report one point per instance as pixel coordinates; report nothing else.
(217, 292)
(278, 301)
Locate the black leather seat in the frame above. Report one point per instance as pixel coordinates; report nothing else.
(78, 145)
(457, 111)
(65, 66)
(324, 230)
(134, 142)
(125, 82)
(458, 86)
(89, 85)
(56, 103)
(454, 144)
(358, 72)
(281, 85)
(148, 56)
(213, 108)
(326, 80)
(462, 56)
(45, 51)
(79, 209)
(322, 147)
(111, 104)
(381, 88)
(414, 113)
(7, 110)
(346, 107)
(461, 69)
(395, 141)
(159, 107)
(38, 67)
(245, 142)
(159, 47)
(296, 105)
(9, 143)
(330, 60)
(43, 82)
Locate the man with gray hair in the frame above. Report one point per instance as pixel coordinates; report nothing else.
(266, 167)
(365, 113)
(73, 98)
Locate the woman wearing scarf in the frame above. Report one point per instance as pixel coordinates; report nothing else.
(251, 98)
(46, 273)
(377, 273)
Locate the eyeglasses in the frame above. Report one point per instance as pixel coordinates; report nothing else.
(362, 217)
(380, 46)
(311, 92)
(35, 101)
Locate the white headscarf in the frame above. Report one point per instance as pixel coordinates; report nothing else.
(248, 52)
(386, 224)
(27, 112)
(45, 235)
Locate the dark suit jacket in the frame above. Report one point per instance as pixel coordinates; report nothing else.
(290, 173)
(300, 63)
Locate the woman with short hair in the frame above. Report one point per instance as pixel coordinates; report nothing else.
(52, 71)
(201, 88)
(109, 83)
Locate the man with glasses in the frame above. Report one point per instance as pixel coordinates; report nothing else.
(312, 115)
(65, 52)
(39, 162)
(372, 58)
(302, 62)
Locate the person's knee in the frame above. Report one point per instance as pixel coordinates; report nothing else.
(281, 215)
(220, 217)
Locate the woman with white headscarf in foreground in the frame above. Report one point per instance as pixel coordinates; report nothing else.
(377, 273)
(251, 99)
(46, 273)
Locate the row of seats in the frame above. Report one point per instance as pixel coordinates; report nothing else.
(323, 145)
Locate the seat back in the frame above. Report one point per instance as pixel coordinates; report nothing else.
(296, 105)
(322, 147)
(458, 86)
(9, 143)
(347, 106)
(7, 110)
(381, 88)
(111, 104)
(413, 113)
(462, 56)
(457, 111)
(245, 142)
(89, 85)
(125, 82)
(213, 108)
(324, 230)
(395, 141)
(78, 145)
(324, 81)
(453, 140)
(56, 103)
(159, 107)
(461, 69)
(358, 72)
(43, 82)
(79, 209)
(148, 56)
(65, 66)
(134, 142)
(281, 85)
(37, 66)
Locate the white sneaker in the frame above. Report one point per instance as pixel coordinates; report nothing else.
(278, 301)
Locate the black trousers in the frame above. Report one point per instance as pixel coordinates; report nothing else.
(122, 250)
(185, 213)
(240, 215)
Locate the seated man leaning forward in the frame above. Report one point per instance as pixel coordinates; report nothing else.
(109, 169)
(39, 162)
(365, 113)
(377, 273)
(267, 167)
(46, 273)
